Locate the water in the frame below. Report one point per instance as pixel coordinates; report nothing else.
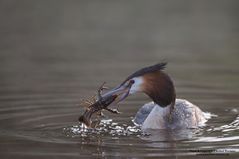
(52, 54)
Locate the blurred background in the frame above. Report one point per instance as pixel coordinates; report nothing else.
(41, 41)
(54, 53)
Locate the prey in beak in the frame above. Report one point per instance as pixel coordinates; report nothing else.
(122, 91)
(103, 102)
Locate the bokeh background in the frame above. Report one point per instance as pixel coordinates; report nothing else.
(54, 53)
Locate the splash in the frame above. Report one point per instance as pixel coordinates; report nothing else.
(105, 127)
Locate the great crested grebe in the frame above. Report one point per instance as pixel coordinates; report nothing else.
(165, 111)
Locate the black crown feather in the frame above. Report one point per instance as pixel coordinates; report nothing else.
(150, 69)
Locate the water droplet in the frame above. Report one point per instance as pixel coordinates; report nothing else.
(105, 127)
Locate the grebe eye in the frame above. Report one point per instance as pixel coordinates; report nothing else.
(131, 81)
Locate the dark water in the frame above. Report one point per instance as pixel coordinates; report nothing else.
(54, 53)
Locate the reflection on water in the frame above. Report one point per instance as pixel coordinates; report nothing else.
(52, 54)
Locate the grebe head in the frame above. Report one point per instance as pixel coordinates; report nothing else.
(151, 80)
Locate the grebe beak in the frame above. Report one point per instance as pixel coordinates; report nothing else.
(121, 91)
